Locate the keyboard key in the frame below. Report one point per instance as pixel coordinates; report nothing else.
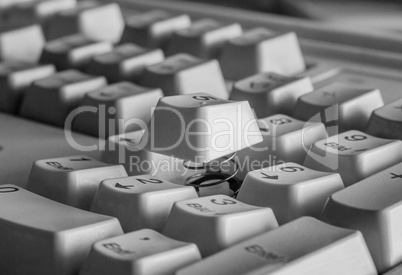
(290, 190)
(353, 106)
(15, 78)
(270, 93)
(51, 99)
(126, 62)
(185, 74)
(190, 127)
(73, 51)
(303, 246)
(372, 206)
(14, 46)
(88, 18)
(285, 139)
(142, 252)
(140, 201)
(217, 222)
(123, 107)
(41, 236)
(71, 180)
(261, 50)
(354, 155)
(204, 38)
(153, 29)
(386, 122)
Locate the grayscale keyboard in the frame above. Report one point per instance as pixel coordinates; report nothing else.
(163, 137)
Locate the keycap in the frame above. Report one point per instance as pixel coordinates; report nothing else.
(191, 127)
(126, 62)
(270, 93)
(261, 50)
(303, 246)
(15, 78)
(51, 99)
(153, 29)
(122, 107)
(217, 222)
(73, 52)
(352, 105)
(71, 180)
(372, 206)
(285, 139)
(14, 46)
(139, 202)
(386, 122)
(290, 190)
(89, 19)
(204, 38)
(354, 155)
(140, 252)
(41, 236)
(185, 74)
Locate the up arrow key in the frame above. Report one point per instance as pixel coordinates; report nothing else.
(118, 185)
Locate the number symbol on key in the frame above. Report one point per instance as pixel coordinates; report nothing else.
(149, 181)
(202, 97)
(355, 137)
(80, 159)
(118, 185)
(145, 239)
(280, 121)
(8, 189)
(360, 150)
(269, 177)
(259, 85)
(394, 176)
(291, 169)
(224, 202)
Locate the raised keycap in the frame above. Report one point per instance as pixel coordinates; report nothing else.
(353, 106)
(270, 93)
(262, 50)
(204, 38)
(139, 202)
(217, 222)
(140, 252)
(73, 51)
(285, 139)
(372, 206)
(191, 127)
(100, 22)
(71, 180)
(119, 108)
(14, 45)
(386, 122)
(354, 155)
(153, 29)
(15, 78)
(185, 74)
(290, 190)
(41, 236)
(126, 62)
(303, 246)
(51, 99)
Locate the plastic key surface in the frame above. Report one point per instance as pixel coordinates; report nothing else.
(125, 62)
(354, 155)
(217, 222)
(290, 190)
(374, 207)
(140, 252)
(262, 50)
(303, 246)
(186, 74)
(51, 99)
(71, 180)
(15, 78)
(270, 93)
(41, 236)
(140, 201)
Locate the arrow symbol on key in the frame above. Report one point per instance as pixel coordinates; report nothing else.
(118, 185)
(81, 159)
(270, 177)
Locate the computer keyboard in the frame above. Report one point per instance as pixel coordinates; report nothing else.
(155, 137)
